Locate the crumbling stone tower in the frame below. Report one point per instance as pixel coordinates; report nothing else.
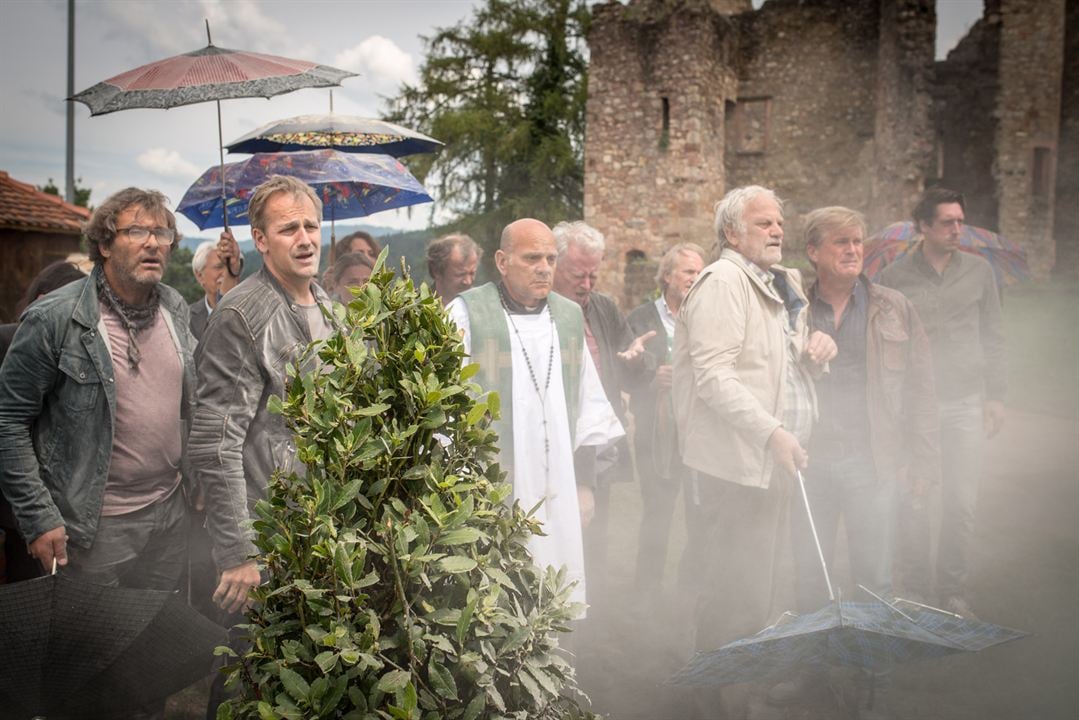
(826, 101)
(999, 119)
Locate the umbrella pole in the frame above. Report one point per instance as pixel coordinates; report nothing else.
(816, 538)
(333, 229)
(221, 156)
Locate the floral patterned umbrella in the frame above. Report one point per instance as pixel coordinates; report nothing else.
(346, 133)
(349, 185)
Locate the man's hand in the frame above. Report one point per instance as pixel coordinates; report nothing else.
(50, 545)
(587, 503)
(636, 347)
(664, 377)
(993, 417)
(787, 451)
(229, 250)
(821, 348)
(232, 591)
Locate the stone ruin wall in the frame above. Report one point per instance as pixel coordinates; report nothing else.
(1066, 207)
(789, 96)
(813, 66)
(1028, 107)
(904, 138)
(828, 102)
(647, 189)
(965, 92)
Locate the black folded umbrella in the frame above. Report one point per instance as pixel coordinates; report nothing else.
(74, 649)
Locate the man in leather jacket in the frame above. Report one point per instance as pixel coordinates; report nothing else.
(255, 332)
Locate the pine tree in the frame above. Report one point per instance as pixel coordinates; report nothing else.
(505, 91)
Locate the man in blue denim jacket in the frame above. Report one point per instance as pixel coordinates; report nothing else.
(95, 395)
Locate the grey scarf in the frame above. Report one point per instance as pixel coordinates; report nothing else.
(134, 318)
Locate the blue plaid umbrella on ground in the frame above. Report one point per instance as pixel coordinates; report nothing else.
(875, 636)
(872, 635)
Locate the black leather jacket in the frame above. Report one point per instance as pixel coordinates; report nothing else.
(235, 443)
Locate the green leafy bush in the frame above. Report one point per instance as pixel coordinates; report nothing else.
(400, 585)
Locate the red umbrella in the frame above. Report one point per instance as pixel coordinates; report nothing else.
(211, 73)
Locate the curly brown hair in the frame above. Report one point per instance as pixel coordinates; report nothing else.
(100, 229)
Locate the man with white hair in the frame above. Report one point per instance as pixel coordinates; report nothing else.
(744, 404)
(213, 265)
(618, 356)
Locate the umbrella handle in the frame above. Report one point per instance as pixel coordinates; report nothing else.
(816, 538)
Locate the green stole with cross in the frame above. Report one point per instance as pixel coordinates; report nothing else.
(491, 349)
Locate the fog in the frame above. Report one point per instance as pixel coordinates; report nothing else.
(1024, 574)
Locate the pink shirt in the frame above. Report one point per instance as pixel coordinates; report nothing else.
(146, 442)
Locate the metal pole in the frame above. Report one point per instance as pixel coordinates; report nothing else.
(221, 155)
(220, 145)
(69, 160)
(816, 538)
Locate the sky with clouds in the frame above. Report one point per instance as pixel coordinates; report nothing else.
(168, 149)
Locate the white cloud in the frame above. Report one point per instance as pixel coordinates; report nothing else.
(166, 163)
(379, 61)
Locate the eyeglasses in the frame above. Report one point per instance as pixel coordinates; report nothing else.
(139, 234)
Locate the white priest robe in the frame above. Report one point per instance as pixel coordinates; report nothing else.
(556, 485)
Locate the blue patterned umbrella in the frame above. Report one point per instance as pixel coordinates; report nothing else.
(870, 635)
(350, 185)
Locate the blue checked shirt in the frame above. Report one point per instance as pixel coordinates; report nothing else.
(798, 400)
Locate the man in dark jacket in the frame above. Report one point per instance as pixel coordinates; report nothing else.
(217, 267)
(618, 357)
(876, 432)
(956, 296)
(655, 440)
(95, 397)
(94, 400)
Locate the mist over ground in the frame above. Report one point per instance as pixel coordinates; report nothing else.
(1025, 569)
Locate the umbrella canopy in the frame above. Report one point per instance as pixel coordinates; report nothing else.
(871, 635)
(1009, 261)
(346, 133)
(212, 73)
(349, 185)
(77, 649)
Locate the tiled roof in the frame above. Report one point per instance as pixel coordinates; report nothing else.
(24, 207)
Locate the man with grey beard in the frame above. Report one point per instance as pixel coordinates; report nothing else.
(744, 403)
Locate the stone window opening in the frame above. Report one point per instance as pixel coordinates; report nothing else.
(665, 126)
(751, 119)
(1041, 172)
(639, 278)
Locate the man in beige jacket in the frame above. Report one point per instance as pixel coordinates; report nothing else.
(744, 402)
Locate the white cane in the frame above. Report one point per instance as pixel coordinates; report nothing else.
(816, 538)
